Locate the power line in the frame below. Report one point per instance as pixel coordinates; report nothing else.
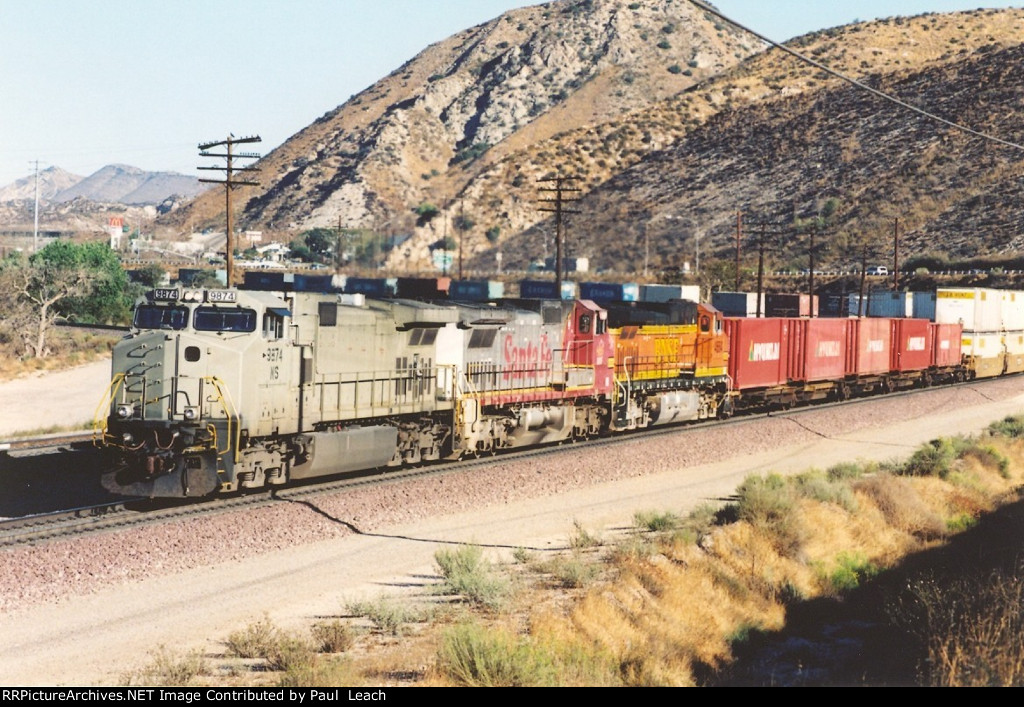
(855, 82)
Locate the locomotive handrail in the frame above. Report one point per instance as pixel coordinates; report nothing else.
(224, 398)
(104, 404)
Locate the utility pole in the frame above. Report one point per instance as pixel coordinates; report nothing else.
(462, 230)
(762, 242)
(230, 182)
(896, 255)
(35, 228)
(739, 235)
(558, 209)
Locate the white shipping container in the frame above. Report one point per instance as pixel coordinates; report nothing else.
(1012, 311)
(981, 345)
(1014, 342)
(665, 293)
(979, 309)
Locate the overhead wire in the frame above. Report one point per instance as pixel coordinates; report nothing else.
(855, 82)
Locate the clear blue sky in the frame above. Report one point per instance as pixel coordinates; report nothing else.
(85, 83)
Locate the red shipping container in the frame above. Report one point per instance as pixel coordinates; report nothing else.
(819, 349)
(911, 345)
(757, 352)
(946, 344)
(870, 346)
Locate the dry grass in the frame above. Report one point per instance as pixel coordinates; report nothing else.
(686, 601)
(70, 348)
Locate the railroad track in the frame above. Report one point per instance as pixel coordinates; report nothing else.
(138, 512)
(43, 444)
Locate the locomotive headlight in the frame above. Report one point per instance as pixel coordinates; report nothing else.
(191, 413)
(125, 411)
(127, 438)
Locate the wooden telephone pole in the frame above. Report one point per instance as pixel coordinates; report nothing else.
(559, 208)
(230, 182)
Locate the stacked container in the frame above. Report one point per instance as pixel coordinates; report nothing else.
(781, 304)
(545, 289)
(980, 311)
(737, 304)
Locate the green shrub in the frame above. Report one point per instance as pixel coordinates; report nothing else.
(1011, 426)
(333, 637)
(819, 486)
(467, 573)
(386, 614)
(289, 653)
(473, 656)
(253, 641)
(581, 538)
(932, 459)
(655, 522)
(572, 571)
(170, 669)
(852, 569)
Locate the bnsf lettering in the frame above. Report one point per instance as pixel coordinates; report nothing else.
(524, 361)
(828, 349)
(875, 346)
(764, 352)
(915, 343)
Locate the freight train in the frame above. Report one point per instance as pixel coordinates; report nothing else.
(221, 390)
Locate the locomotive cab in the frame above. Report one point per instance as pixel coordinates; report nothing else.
(174, 423)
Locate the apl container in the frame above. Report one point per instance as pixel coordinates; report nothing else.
(870, 347)
(818, 350)
(946, 345)
(911, 345)
(758, 351)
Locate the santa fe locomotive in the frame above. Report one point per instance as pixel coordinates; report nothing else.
(216, 391)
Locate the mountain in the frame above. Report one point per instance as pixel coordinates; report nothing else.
(421, 134)
(118, 183)
(672, 122)
(52, 181)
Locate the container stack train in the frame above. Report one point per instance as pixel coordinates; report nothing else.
(217, 391)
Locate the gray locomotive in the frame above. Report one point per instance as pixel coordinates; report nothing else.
(220, 390)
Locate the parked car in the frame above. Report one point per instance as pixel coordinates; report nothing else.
(877, 270)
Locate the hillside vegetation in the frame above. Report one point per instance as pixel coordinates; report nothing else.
(673, 121)
(906, 573)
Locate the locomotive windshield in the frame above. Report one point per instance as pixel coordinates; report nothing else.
(215, 319)
(153, 316)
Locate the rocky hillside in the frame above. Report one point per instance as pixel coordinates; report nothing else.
(422, 133)
(673, 122)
